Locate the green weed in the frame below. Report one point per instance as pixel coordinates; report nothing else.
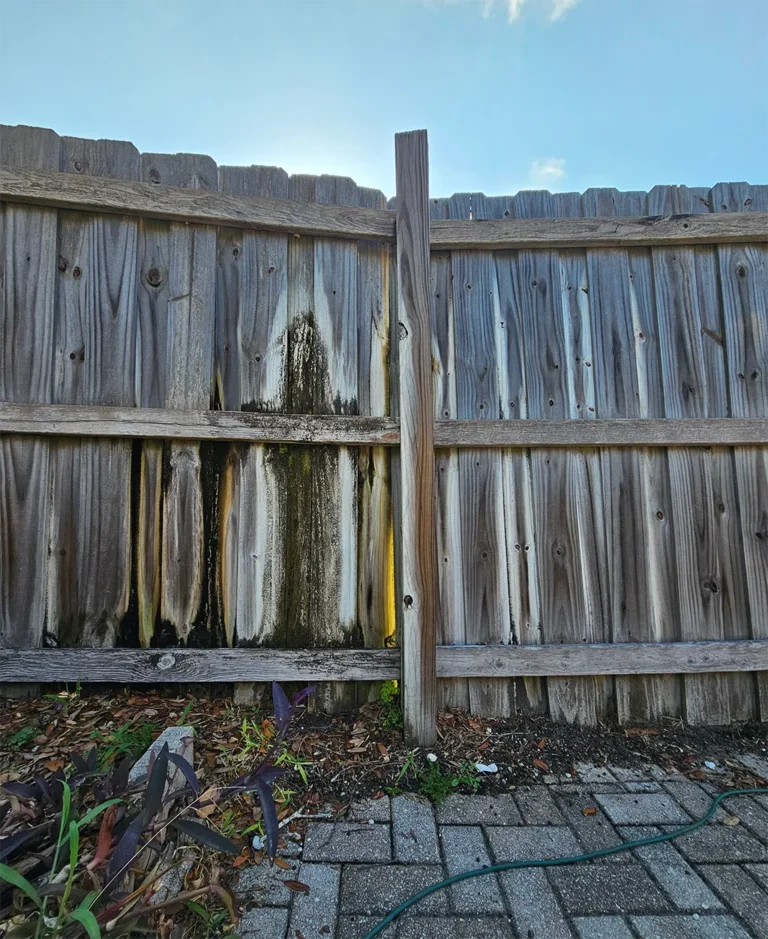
(391, 713)
(21, 738)
(128, 740)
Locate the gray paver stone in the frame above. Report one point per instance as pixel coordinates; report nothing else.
(694, 799)
(601, 927)
(354, 842)
(535, 909)
(357, 927)
(262, 885)
(642, 786)
(690, 926)
(675, 875)
(479, 810)
(638, 808)
(607, 888)
(595, 832)
(180, 740)
(265, 923)
(720, 844)
(454, 927)
(755, 762)
(314, 914)
(538, 807)
(589, 773)
(367, 809)
(414, 831)
(532, 843)
(626, 774)
(376, 890)
(464, 850)
(751, 813)
(741, 893)
(759, 872)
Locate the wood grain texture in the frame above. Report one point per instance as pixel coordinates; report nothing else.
(204, 206)
(709, 565)
(27, 273)
(567, 496)
(639, 547)
(251, 352)
(89, 569)
(248, 427)
(131, 666)
(603, 659)
(417, 456)
(523, 577)
(375, 584)
(451, 625)
(603, 232)
(175, 361)
(744, 293)
(477, 331)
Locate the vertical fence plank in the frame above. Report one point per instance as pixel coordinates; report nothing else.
(566, 487)
(28, 269)
(709, 565)
(637, 513)
(477, 318)
(375, 582)
(176, 329)
(251, 374)
(523, 578)
(96, 316)
(419, 576)
(744, 290)
(451, 692)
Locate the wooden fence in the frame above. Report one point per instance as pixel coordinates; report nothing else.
(220, 385)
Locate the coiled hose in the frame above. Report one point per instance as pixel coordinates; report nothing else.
(555, 862)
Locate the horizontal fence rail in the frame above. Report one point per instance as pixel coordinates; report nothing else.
(146, 200)
(155, 423)
(516, 233)
(121, 197)
(227, 665)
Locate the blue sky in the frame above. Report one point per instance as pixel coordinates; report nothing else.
(559, 94)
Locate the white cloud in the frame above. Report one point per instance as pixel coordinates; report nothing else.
(559, 7)
(514, 8)
(547, 174)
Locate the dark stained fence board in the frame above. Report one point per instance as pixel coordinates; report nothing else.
(251, 354)
(202, 206)
(28, 252)
(419, 598)
(96, 323)
(375, 584)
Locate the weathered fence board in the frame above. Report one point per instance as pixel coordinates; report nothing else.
(28, 259)
(744, 290)
(177, 266)
(251, 373)
(452, 616)
(95, 350)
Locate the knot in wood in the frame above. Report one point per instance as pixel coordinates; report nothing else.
(402, 331)
(154, 277)
(408, 601)
(166, 662)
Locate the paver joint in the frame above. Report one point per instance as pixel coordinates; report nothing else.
(711, 884)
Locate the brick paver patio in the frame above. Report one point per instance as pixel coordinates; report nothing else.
(711, 884)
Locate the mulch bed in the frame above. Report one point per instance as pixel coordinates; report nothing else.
(352, 756)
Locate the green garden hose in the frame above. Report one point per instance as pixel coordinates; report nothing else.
(554, 862)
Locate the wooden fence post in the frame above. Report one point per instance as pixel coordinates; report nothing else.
(419, 590)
